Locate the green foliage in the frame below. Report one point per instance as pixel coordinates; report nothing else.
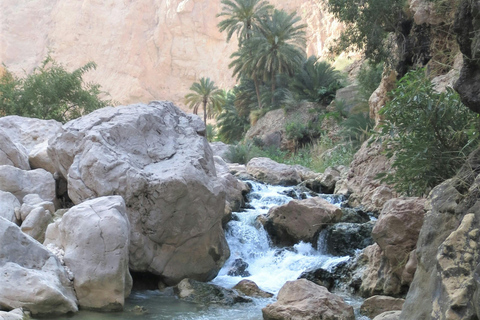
(427, 134)
(316, 81)
(211, 132)
(232, 125)
(367, 25)
(368, 79)
(50, 92)
(356, 128)
(243, 152)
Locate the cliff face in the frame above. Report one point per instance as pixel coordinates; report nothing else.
(144, 49)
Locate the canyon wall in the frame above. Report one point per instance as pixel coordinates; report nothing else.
(145, 49)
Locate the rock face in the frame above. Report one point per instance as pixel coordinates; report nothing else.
(8, 204)
(32, 277)
(300, 220)
(234, 188)
(303, 299)
(445, 286)
(94, 237)
(269, 171)
(144, 50)
(157, 159)
(376, 305)
(12, 154)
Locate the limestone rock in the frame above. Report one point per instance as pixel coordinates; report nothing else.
(376, 305)
(303, 299)
(158, 160)
(206, 293)
(250, 289)
(36, 215)
(329, 179)
(11, 153)
(94, 237)
(300, 220)
(234, 188)
(25, 261)
(379, 97)
(15, 314)
(8, 204)
(22, 182)
(269, 171)
(388, 315)
(220, 149)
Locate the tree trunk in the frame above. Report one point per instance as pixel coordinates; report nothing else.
(273, 87)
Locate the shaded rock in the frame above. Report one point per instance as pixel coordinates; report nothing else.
(239, 269)
(388, 315)
(354, 215)
(25, 261)
(12, 154)
(250, 289)
(343, 239)
(207, 294)
(329, 179)
(219, 149)
(376, 305)
(94, 237)
(303, 299)
(157, 158)
(36, 215)
(300, 220)
(22, 182)
(8, 205)
(235, 189)
(348, 95)
(271, 172)
(326, 278)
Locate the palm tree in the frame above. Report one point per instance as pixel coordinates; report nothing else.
(243, 18)
(205, 94)
(279, 47)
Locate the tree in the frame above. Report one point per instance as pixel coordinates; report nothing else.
(231, 123)
(278, 47)
(243, 18)
(50, 92)
(207, 95)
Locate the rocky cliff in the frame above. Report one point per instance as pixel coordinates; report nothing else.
(145, 50)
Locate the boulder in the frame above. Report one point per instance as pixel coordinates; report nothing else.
(271, 172)
(376, 305)
(344, 239)
(94, 237)
(250, 289)
(32, 277)
(8, 205)
(11, 153)
(329, 179)
(300, 220)
(239, 269)
(303, 299)
(157, 158)
(388, 315)
(206, 293)
(235, 189)
(220, 149)
(22, 182)
(15, 314)
(326, 278)
(36, 215)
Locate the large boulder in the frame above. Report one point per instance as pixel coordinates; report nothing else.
(36, 215)
(32, 277)
(15, 314)
(300, 220)
(11, 153)
(376, 305)
(8, 205)
(303, 299)
(272, 172)
(94, 237)
(235, 189)
(157, 158)
(250, 289)
(344, 239)
(396, 234)
(448, 254)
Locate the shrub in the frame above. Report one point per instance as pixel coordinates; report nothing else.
(427, 134)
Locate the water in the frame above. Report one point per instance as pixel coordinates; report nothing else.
(269, 267)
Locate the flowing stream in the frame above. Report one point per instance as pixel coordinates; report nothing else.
(269, 267)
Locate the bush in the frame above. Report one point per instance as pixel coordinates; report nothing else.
(50, 92)
(427, 134)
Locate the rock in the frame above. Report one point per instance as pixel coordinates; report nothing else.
(424, 12)
(25, 261)
(22, 182)
(15, 314)
(329, 179)
(38, 158)
(239, 269)
(36, 215)
(354, 215)
(326, 278)
(250, 289)
(380, 96)
(235, 189)
(207, 294)
(158, 160)
(12, 154)
(300, 220)
(271, 172)
(303, 299)
(348, 95)
(8, 205)
(220, 149)
(388, 315)
(344, 239)
(376, 305)
(447, 250)
(94, 237)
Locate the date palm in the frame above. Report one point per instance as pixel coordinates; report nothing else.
(207, 95)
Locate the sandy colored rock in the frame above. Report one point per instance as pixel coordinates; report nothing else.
(11, 153)
(376, 305)
(272, 172)
(388, 315)
(300, 220)
(380, 96)
(250, 288)
(25, 261)
(303, 299)
(15, 314)
(94, 237)
(234, 188)
(157, 158)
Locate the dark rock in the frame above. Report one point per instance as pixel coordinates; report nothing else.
(343, 239)
(239, 268)
(324, 277)
(351, 215)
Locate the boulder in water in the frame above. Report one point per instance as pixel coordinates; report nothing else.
(326, 278)
(239, 268)
(303, 299)
(271, 172)
(343, 239)
(250, 288)
(376, 305)
(389, 315)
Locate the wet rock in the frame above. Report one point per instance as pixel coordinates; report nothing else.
(326, 278)
(376, 305)
(271, 172)
(250, 289)
(207, 294)
(239, 268)
(351, 215)
(344, 239)
(303, 299)
(300, 220)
